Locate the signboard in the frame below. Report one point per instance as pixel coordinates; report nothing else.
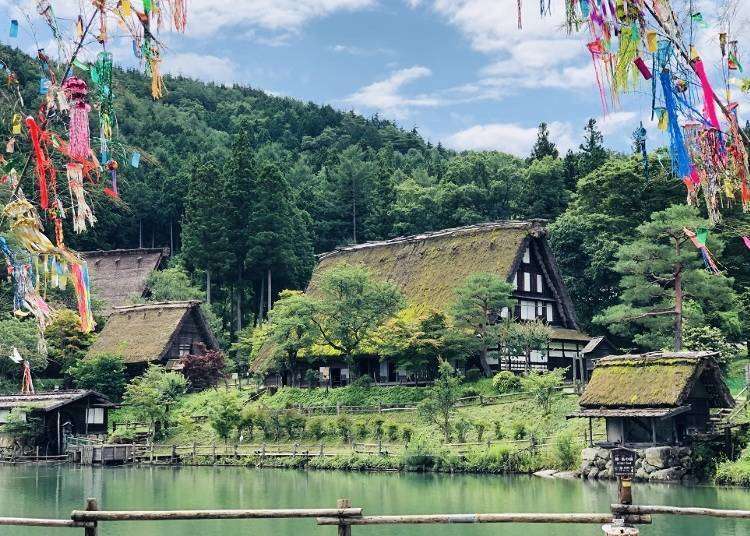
(623, 462)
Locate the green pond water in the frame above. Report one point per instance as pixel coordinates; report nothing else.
(54, 491)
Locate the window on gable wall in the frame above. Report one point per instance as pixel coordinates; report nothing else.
(526, 256)
(539, 287)
(527, 282)
(528, 310)
(515, 281)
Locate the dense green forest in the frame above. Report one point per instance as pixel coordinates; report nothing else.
(243, 185)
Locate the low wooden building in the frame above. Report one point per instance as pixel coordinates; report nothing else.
(119, 275)
(62, 414)
(155, 332)
(597, 348)
(659, 398)
(427, 268)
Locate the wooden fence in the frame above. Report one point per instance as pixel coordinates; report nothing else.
(622, 518)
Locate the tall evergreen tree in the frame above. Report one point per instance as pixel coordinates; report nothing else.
(593, 154)
(543, 145)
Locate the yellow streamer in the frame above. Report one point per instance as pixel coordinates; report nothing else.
(16, 125)
(652, 41)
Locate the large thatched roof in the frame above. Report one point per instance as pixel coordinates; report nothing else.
(120, 275)
(48, 401)
(655, 380)
(144, 333)
(428, 267)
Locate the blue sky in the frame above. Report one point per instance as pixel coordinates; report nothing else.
(459, 70)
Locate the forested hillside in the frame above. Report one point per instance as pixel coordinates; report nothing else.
(242, 184)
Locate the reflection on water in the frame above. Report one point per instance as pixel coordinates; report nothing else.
(55, 491)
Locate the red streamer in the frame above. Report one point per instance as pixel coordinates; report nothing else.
(709, 104)
(42, 161)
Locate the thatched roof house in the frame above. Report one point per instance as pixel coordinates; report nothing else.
(62, 413)
(428, 268)
(155, 332)
(659, 397)
(119, 275)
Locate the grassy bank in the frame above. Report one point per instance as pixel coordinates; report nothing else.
(512, 428)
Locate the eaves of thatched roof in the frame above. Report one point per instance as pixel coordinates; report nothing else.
(145, 333)
(654, 380)
(119, 275)
(48, 401)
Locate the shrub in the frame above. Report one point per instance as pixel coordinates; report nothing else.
(565, 450)
(312, 378)
(293, 422)
(391, 431)
(224, 413)
(104, 373)
(360, 429)
(422, 454)
(469, 391)
(377, 427)
(518, 430)
(506, 382)
(406, 434)
(248, 420)
(203, 370)
(26, 430)
(473, 374)
(122, 436)
(363, 382)
(344, 428)
(497, 427)
(735, 473)
(479, 428)
(544, 387)
(462, 429)
(315, 428)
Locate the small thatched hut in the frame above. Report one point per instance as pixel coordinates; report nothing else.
(428, 267)
(161, 332)
(660, 398)
(62, 414)
(119, 275)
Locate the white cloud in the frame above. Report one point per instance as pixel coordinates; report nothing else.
(203, 67)
(359, 51)
(615, 122)
(385, 95)
(509, 137)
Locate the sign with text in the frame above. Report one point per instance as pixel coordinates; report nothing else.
(623, 462)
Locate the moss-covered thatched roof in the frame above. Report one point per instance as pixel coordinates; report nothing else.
(658, 379)
(119, 275)
(143, 333)
(47, 401)
(428, 267)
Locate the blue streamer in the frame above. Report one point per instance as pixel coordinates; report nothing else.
(14, 28)
(681, 165)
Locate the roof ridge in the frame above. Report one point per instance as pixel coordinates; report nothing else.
(531, 224)
(176, 304)
(163, 251)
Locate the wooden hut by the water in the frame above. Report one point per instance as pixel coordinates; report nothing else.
(427, 268)
(118, 276)
(659, 398)
(60, 414)
(155, 332)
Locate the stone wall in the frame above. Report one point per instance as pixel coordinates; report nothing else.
(654, 464)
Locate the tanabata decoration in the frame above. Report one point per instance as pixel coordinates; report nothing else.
(652, 41)
(56, 142)
(699, 241)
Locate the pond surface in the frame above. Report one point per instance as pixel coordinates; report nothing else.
(38, 491)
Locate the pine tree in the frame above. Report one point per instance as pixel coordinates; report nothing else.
(593, 154)
(543, 146)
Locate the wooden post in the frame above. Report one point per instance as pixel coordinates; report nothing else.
(614, 529)
(152, 453)
(213, 450)
(344, 530)
(193, 451)
(591, 433)
(92, 529)
(624, 490)
(173, 458)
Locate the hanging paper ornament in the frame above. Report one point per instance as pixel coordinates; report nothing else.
(43, 165)
(81, 283)
(124, 6)
(723, 43)
(680, 159)
(701, 233)
(135, 159)
(709, 103)
(81, 211)
(112, 168)
(10, 146)
(697, 19)
(643, 68)
(16, 124)
(746, 240)
(13, 29)
(26, 227)
(732, 62)
(44, 84)
(76, 92)
(652, 41)
(79, 28)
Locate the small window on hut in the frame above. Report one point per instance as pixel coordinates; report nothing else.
(95, 416)
(526, 256)
(185, 347)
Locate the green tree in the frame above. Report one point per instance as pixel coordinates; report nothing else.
(544, 387)
(479, 302)
(351, 307)
(531, 337)
(440, 404)
(152, 395)
(710, 339)
(66, 343)
(224, 413)
(104, 373)
(593, 154)
(543, 147)
(544, 193)
(172, 284)
(664, 282)
(291, 329)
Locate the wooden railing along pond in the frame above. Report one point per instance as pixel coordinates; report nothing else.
(621, 520)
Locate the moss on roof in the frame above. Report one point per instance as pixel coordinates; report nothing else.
(652, 380)
(143, 333)
(427, 268)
